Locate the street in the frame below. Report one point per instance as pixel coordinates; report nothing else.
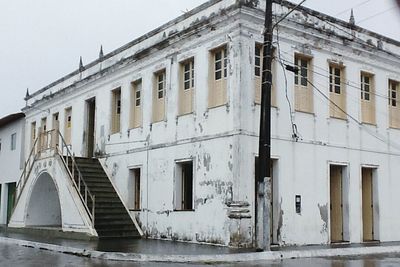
(13, 255)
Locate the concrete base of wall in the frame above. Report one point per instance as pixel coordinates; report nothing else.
(48, 232)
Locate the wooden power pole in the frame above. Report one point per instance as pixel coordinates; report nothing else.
(263, 219)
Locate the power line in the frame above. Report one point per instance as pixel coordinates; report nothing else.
(346, 82)
(351, 36)
(358, 5)
(377, 14)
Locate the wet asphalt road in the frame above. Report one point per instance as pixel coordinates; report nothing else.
(17, 256)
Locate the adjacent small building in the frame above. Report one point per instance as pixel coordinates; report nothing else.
(12, 138)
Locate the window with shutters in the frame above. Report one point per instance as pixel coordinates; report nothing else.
(136, 104)
(218, 74)
(68, 125)
(337, 94)
(186, 90)
(159, 91)
(33, 133)
(258, 64)
(394, 108)
(184, 186)
(367, 98)
(302, 88)
(116, 111)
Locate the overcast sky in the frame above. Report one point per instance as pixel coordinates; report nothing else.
(41, 41)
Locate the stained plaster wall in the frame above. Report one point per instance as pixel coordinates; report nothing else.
(223, 141)
(304, 165)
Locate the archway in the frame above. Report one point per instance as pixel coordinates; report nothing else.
(44, 208)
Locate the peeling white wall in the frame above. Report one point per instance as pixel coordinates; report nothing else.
(223, 141)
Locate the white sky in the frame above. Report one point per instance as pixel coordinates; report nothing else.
(41, 41)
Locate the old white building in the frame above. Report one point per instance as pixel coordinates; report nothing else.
(12, 137)
(173, 117)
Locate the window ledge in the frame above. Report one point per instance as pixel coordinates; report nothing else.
(184, 210)
(135, 210)
(306, 112)
(185, 114)
(217, 106)
(369, 123)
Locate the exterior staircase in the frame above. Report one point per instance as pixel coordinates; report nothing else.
(111, 217)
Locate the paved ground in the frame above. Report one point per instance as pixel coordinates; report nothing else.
(144, 246)
(16, 256)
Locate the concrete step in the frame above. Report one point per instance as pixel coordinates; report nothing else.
(111, 217)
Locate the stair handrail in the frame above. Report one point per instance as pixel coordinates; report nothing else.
(87, 195)
(28, 165)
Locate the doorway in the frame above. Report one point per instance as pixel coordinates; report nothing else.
(336, 203)
(90, 126)
(367, 204)
(10, 199)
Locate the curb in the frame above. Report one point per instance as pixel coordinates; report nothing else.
(220, 258)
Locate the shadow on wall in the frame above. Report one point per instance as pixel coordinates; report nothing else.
(44, 204)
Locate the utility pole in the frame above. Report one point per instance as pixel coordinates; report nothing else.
(263, 219)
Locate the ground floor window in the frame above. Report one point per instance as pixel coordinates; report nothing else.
(184, 186)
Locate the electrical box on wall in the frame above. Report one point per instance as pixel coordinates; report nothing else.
(298, 204)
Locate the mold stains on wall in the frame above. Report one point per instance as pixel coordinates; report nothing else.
(114, 170)
(323, 211)
(280, 223)
(207, 161)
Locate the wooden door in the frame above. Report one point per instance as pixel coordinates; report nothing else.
(91, 113)
(336, 207)
(367, 205)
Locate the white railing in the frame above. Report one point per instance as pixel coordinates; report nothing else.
(50, 141)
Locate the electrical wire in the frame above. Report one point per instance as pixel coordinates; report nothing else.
(350, 8)
(295, 133)
(350, 37)
(377, 14)
(346, 82)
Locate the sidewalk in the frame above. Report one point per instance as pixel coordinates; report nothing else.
(168, 251)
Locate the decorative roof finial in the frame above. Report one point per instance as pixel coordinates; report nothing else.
(81, 67)
(101, 54)
(27, 93)
(352, 20)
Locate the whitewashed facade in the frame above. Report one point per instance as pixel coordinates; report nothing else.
(206, 122)
(12, 138)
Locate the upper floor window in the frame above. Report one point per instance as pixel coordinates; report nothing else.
(367, 98)
(188, 74)
(302, 76)
(186, 88)
(68, 125)
(394, 107)
(160, 84)
(136, 104)
(217, 95)
(221, 62)
(366, 87)
(116, 111)
(393, 93)
(13, 141)
(303, 91)
(335, 79)
(258, 60)
(337, 94)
